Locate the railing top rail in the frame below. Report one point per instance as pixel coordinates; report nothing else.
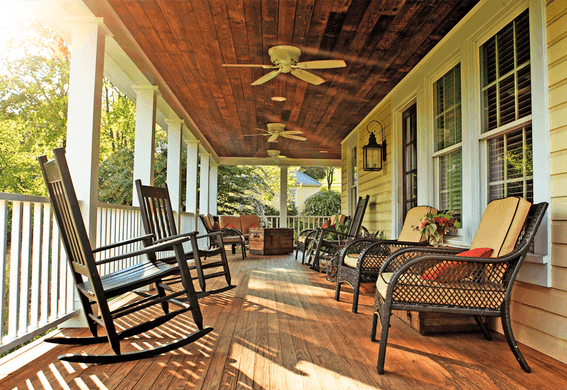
(23, 198)
(116, 206)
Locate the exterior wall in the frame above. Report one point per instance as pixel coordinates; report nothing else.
(376, 184)
(539, 314)
(303, 192)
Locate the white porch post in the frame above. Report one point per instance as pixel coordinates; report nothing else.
(205, 184)
(83, 128)
(144, 144)
(174, 145)
(83, 122)
(283, 196)
(213, 187)
(191, 203)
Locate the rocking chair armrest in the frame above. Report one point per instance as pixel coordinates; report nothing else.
(307, 232)
(122, 243)
(230, 230)
(188, 234)
(149, 249)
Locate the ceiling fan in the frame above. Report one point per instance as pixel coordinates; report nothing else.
(285, 60)
(276, 130)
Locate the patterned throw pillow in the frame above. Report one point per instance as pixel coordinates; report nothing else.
(230, 226)
(453, 271)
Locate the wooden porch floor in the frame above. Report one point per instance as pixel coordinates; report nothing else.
(281, 328)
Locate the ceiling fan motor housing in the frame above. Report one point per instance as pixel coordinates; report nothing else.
(284, 56)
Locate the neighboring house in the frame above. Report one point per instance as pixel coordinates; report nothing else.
(305, 186)
(481, 117)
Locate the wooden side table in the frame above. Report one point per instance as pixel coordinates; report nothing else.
(270, 241)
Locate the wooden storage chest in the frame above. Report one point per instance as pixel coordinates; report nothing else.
(270, 241)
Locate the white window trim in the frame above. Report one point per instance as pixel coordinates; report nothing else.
(350, 144)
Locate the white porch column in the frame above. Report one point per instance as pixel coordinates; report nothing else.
(144, 144)
(83, 122)
(283, 196)
(191, 203)
(83, 128)
(204, 186)
(213, 187)
(174, 145)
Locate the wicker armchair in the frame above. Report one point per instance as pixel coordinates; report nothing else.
(437, 280)
(363, 257)
(325, 248)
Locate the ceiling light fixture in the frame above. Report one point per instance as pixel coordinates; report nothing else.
(278, 99)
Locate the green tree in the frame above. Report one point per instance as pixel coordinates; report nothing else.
(323, 203)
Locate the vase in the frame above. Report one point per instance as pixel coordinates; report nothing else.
(437, 241)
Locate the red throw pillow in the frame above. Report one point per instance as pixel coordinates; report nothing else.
(252, 226)
(454, 270)
(216, 226)
(324, 226)
(230, 226)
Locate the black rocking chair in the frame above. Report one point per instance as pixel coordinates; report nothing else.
(94, 288)
(158, 220)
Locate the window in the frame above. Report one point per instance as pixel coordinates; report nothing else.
(448, 137)
(506, 94)
(409, 130)
(353, 181)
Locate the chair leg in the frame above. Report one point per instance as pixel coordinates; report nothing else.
(243, 251)
(198, 265)
(355, 295)
(507, 326)
(233, 249)
(483, 327)
(225, 267)
(338, 287)
(374, 327)
(385, 312)
(111, 334)
(161, 292)
(188, 285)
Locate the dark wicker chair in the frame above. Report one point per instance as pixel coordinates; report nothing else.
(158, 220)
(99, 289)
(363, 257)
(438, 280)
(326, 248)
(307, 236)
(232, 237)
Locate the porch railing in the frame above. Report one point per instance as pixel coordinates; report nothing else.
(36, 286)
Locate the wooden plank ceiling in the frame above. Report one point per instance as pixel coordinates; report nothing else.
(188, 41)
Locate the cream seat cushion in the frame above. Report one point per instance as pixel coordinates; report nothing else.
(501, 225)
(413, 217)
(351, 259)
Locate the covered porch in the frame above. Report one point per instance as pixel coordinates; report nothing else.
(282, 329)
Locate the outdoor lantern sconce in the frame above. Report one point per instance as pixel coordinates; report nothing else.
(373, 154)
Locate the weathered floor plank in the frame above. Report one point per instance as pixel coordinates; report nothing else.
(280, 328)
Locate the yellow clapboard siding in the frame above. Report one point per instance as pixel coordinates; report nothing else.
(548, 299)
(555, 9)
(557, 73)
(558, 162)
(559, 185)
(558, 209)
(559, 278)
(558, 115)
(558, 94)
(557, 50)
(558, 139)
(552, 324)
(556, 29)
(559, 252)
(559, 235)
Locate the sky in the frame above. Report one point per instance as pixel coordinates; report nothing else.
(12, 14)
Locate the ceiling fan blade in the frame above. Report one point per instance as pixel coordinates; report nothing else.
(323, 64)
(250, 66)
(252, 135)
(306, 76)
(294, 137)
(273, 138)
(293, 132)
(267, 77)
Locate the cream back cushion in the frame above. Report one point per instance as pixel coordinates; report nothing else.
(226, 220)
(248, 220)
(501, 225)
(409, 232)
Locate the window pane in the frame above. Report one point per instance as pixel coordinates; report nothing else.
(450, 182)
(505, 68)
(510, 165)
(448, 109)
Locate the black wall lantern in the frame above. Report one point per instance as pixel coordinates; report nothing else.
(373, 154)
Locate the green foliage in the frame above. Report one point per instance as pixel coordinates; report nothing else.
(317, 173)
(323, 203)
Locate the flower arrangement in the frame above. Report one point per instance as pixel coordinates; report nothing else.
(433, 226)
